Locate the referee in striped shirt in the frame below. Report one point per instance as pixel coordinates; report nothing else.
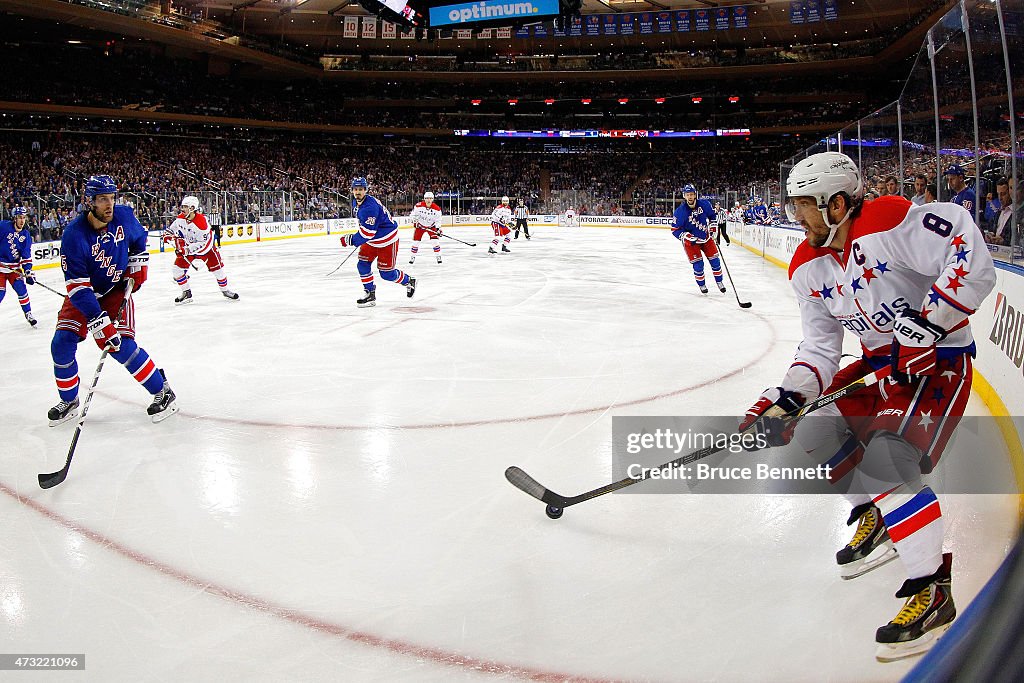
(521, 214)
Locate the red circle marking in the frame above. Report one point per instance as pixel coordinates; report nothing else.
(399, 647)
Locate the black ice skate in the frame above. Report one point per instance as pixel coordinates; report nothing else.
(721, 287)
(410, 288)
(163, 405)
(703, 289)
(369, 300)
(62, 412)
(30, 319)
(925, 616)
(438, 259)
(870, 546)
(505, 249)
(228, 294)
(412, 260)
(185, 298)
(491, 250)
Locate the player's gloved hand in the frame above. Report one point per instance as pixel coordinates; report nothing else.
(346, 240)
(766, 416)
(138, 269)
(29, 278)
(104, 332)
(913, 346)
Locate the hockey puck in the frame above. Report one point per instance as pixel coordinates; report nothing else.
(553, 512)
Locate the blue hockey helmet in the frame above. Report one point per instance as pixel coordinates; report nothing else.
(100, 184)
(360, 181)
(19, 211)
(688, 187)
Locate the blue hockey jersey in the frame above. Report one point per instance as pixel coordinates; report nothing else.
(94, 262)
(965, 198)
(759, 214)
(376, 226)
(15, 248)
(696, 222)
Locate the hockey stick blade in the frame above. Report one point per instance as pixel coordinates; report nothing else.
(530, 486)
(745, 304)
(48, 481)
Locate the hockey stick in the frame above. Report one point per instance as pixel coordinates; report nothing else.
(35, 281)
(342, 262)
(557, 503)
(444, 234)
(48, 481)
(743, 304)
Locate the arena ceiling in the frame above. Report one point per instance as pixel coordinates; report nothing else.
(318, 24)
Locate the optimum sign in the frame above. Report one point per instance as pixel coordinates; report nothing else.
(490, 10)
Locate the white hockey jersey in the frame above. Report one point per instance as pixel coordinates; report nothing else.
(502, 215)
(195, 234)
(897, 255)
(424, 216)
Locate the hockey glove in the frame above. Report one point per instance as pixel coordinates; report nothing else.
(346, 240)
(104, 332)
(913, 346)
(766, 417)
(29, 278)
(138, 269)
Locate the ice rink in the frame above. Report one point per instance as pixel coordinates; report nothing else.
(329, 503)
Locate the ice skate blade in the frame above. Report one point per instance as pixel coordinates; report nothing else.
(893, 652)
(370, 304)
(883, 554)
(70, 416)
(166, 413)
(186, 302)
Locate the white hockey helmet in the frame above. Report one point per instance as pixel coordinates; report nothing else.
(191, 203)
(504, 200)
(823, 176)
(428, 196)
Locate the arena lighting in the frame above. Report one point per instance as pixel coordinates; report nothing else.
(696, 100)
(659, 100)
(549, 101)
(585, 100)
(513, 103)
(475, 103)
(623, 100)
(733, 99)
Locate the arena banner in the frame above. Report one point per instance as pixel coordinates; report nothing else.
(351, 27)
(485, 10)
(281, 229)
(740, 17)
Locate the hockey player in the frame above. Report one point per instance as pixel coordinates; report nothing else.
(16, 259)
(426, 220)
(759, 212)
(904, 279)
(101, 249)
(377, 239)
(193, 241)
(570, 217)
(501, 219)
(693, 224)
